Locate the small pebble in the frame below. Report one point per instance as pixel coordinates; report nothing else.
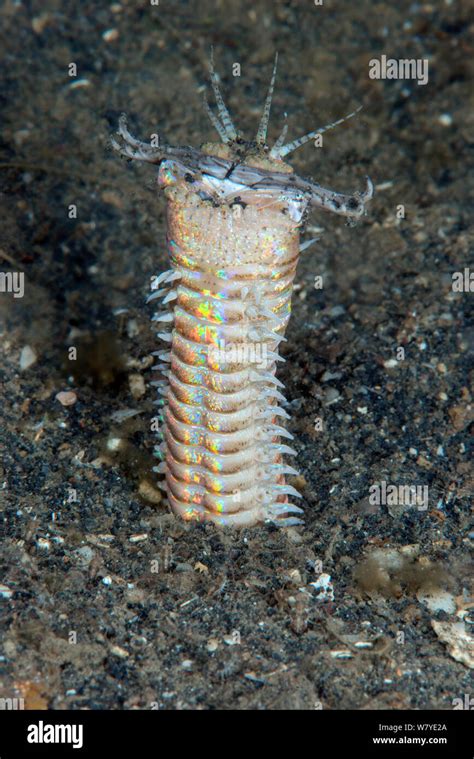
(138, 538)
(28, 357)
(66, 397)
(132, 328)
(445, 119)
(114, 444)
(183, 566)
(39, 23)
(85, 554)
(328, 376)
(119, 651)
(136, 384)
(231, 640)
(331, 395)
(201, 568)
(110, 35)
(149, 493)
(140, 640)
(79, 83)
(294, 576)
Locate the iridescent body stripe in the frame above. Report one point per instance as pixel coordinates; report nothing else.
(234, 212)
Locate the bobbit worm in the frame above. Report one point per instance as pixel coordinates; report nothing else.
(234, 215)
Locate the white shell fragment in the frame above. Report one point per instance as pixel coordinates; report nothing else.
(324, 587)
(66, 397)
(438, 600)
(28, 357)
(459, 642)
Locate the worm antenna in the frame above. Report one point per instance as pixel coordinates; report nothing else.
(291, 146)
(263, 126)
(125, 134)
(224, 114)
(275, 151)
(133, 148)
(215, 122)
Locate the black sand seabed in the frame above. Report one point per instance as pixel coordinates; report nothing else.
(230, 620)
